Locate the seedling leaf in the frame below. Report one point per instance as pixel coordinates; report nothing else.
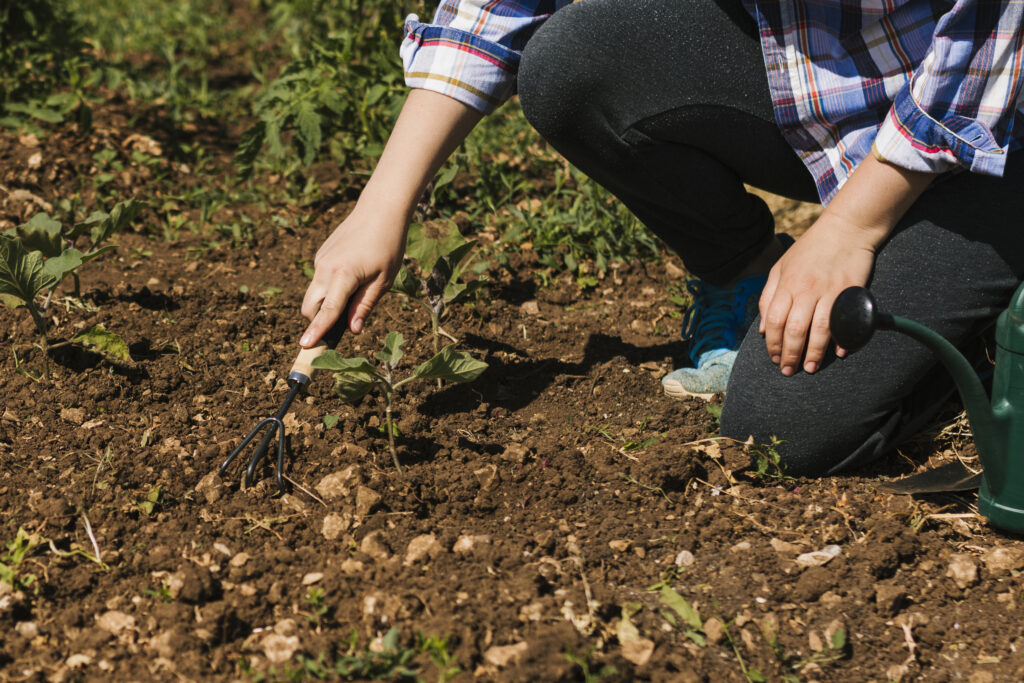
(330, 421)
(406, 283)
(21, 272)
(104, 342)
(123, 213)
(330, 360)
(452, 365)
(60, 266)
(679, 605)
(42, 233)
(425, 250)
(392, 351)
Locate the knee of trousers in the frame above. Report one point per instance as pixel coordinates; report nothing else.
(559, 84)
(812, 436)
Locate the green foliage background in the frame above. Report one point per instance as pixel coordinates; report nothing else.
(292, 84)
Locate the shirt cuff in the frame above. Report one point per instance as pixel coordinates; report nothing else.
(462, 65)
(910, 138)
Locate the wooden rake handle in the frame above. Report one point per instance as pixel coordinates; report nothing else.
(303, 364)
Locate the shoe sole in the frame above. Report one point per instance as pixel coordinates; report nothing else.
(680, 393)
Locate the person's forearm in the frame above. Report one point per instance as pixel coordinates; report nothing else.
(428, 130)
(875, 197)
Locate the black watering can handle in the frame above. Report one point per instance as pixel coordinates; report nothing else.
(855, 317)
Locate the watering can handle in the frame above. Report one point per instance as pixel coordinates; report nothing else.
(855, 317)
(302, 368)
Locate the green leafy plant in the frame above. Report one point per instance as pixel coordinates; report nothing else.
(692, 624)
(354, 378)
(38, 255)
(437, 281)
(10, 563)
(315, 599)
(768, 462)
(437, 649)
(151, 502)
(584, 664)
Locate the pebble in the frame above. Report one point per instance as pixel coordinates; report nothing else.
(352, 567)
(27, 629)
(685, 558)
(279, 649)
(506, 655)
(486, 476)
(962, 570)
(467, 544)
(73, 415)
(366, 500)
(619, 546)
(211, 487)
(818, 558)
(530, 307)
(311, 578)
(714, 630)
(337, 484)
(239, 560)
(422, 547)
(1003, 560)
(115, 622)
(335, 525)
(784, 547)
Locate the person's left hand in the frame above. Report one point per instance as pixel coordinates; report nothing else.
(802, 286)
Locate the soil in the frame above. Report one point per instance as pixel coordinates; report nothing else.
(537, 508)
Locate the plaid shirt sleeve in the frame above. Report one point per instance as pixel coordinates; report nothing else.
(471, 50)
(958, 107)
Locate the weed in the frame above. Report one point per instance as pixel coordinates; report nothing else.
(315, 599)
(152, 501)
(10, 563)
(354, 378)
(584, 664)
(769, 464)
(692, 624)
(437, 649)
(163, 593)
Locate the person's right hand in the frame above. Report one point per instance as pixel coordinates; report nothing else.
(354, 267)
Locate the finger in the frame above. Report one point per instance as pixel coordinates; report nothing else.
(817, 341)
(312, 298)
(775, 321)
(363, 301)
(330, 310)
(840, 351)
(794, 336)
(766, 297)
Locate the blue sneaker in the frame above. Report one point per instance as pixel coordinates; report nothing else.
(715, 324)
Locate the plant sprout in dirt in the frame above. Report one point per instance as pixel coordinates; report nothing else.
(38, 255)
(354, 378)
(440, 263)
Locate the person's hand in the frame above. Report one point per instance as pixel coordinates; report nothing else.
(353, 268)
(802, 286)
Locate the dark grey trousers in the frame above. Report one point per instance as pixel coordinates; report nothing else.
(666, 103)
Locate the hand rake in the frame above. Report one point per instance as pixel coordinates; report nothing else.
(298, 377)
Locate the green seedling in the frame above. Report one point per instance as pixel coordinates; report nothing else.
(163, 593)
(152, 501)
(10, 563)
(688, 617)
(315, 599)
(585, 665)
(437, 649)
(354, 378)
(37, 256)
(769, 465)
(438, 286)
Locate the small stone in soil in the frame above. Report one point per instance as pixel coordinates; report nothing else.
(335, 525)
(889, 598)
(467, 544)
(374, 545)
(279, 649)
(685, 558)
(619, 546)
(422, 547)
(239, 560)
(505, 655)
(338, 484)
(713, 630)
(366, 500)
(1003, 560)
(962, 570)
(311, 578)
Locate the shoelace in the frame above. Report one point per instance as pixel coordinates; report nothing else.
(713, 319)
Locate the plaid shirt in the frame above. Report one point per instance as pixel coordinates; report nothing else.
(927, 85)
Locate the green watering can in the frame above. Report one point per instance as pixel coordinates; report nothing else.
(998, 424)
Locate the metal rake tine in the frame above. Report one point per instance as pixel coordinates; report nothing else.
(245, 442)
(261, 451)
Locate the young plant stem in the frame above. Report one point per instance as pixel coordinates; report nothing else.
(435, 326)
(389, 423)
